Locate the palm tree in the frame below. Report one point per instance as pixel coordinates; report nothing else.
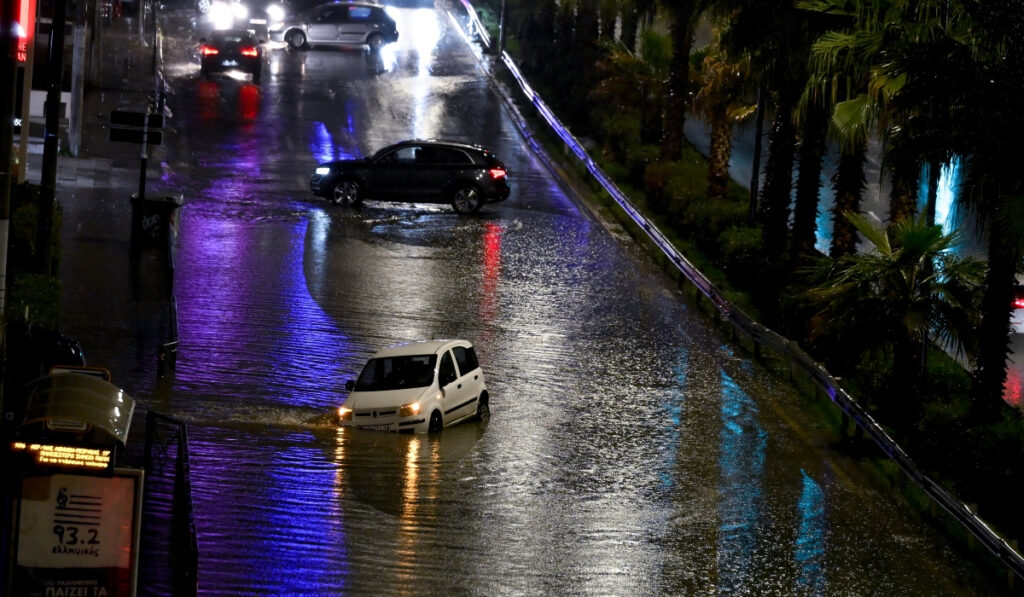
(722, 83)
(631, 93)
(902, 295)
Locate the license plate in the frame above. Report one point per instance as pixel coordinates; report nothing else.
(376, 427)
(230, 63)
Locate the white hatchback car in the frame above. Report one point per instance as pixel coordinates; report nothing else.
(419, 387)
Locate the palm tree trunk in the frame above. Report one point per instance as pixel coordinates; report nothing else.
(778, 181)
(755, 171)
(934, 171)
(718, 160)
(678, 100)
(848, 184)
(808, 185)
(906, 172)
(994, 331)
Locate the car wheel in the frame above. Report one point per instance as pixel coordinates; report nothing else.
(375, 42)
(296, 39)
(436, 423)
(203, 6)
(466, 200)
(346, 192)
(483, 409)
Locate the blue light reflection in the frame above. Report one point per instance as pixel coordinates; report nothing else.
(810, 542)
(741, 465)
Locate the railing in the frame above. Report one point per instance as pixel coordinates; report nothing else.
(761, 335)
(170, 560)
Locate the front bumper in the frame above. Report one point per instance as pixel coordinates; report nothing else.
(319, 184)
(386, 420)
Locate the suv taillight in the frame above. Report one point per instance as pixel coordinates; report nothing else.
(249, 51)
(497, 173)
(208, 50)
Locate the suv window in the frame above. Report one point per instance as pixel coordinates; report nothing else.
(359, 13)
(402, 155)
(466, 358)
(446, 374)
(330, 15)
(447, 155)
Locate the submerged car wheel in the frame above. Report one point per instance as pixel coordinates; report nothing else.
(436, 423)
(346, 192)
(466, 200)
(296, 39)
(483, 409)
(376, 41)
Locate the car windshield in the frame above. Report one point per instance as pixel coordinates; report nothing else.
(228, 36)
(397, 373)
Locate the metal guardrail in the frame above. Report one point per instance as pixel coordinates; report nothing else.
(761, 335)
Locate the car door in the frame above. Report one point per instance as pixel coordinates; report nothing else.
(445, 166)
(323, 24)
(356, 23)
(393, 175)
(459, 400)
(470, 374)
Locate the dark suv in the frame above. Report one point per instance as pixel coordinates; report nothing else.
(467, 176)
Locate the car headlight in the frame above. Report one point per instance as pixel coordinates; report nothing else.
(344, 413)
(409, 410)
(322, 170)
(275, 13)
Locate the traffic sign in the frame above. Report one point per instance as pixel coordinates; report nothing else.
(135, 136)
(126, 118)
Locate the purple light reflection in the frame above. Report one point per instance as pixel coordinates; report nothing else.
(323, 147)
(229, 277)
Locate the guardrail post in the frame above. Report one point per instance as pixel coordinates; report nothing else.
(970, 536)
(1010, 575)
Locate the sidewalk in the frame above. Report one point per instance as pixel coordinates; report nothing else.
(125, 82)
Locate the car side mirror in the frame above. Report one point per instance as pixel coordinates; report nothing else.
(349, 385)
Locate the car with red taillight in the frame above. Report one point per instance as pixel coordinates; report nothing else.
(429, 171)
(1017, 315)
(231, 50)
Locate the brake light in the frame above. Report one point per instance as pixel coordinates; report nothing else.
(497, 173)
(1018, 302)
(208, 50)
(249, 51)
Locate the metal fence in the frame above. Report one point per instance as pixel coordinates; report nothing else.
(170, 555)
(760, 335)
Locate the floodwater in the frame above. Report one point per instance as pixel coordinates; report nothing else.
(630, 451)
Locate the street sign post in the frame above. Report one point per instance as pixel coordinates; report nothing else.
(137, 127)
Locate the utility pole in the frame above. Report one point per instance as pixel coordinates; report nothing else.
(51, 133)
(8, 84)
(501, 28)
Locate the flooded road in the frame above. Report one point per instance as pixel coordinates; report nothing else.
(630, 451)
